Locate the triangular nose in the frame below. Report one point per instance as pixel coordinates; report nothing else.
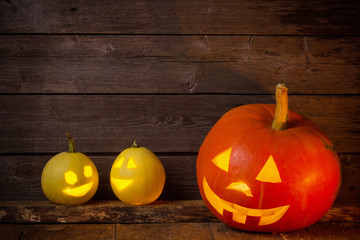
(270, 172)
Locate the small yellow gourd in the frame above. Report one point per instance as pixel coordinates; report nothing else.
(137, 176)
(69, 178)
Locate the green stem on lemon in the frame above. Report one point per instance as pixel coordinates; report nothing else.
(71, 143)
(134, 145)
(282, 109)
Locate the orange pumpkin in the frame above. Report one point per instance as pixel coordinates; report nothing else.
(265, 168)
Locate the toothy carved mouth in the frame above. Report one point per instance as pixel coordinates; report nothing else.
(240, 213)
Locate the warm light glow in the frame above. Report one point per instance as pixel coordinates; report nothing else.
(240, 186)
(240, 213)
(222, 160)
(269, 173)
(131, 163)
(88, 171)
(119, 162)
(70, 177)
(78, 191)
(121, 184)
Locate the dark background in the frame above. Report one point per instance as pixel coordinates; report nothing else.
(163, 72)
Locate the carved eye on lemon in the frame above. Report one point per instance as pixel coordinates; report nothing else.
(69, 178)
(137, 176)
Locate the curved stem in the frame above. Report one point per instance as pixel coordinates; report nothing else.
(282, 109)
(135, 145)
(71, 143)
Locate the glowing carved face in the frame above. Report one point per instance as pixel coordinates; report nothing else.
(122, 183)
(137, 176)
(72, 178)
(269, 173)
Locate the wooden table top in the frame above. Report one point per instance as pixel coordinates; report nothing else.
(160, 220)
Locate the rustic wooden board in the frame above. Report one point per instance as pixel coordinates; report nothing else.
(163, 123)
(178, 64)
(11, 231)
(204, 230)
(178, 231)
(118, 212)
(334, 231)
(105, 212)
(68, 231)
(320, 230)
(21, 175)
(181, 17)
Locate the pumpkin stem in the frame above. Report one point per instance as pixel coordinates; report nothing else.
(71, 143)
(135, 145)
(282, 109)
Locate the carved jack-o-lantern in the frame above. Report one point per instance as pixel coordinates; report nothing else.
(261, 172)
(137, 176)
(69, 178)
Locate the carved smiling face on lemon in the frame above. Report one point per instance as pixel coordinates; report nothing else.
(137, 176)
(69, 178)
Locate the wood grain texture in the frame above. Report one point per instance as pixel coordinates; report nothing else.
(21, 176)
(68, 231)
(105, 212)
(178, 64)
(320, 230)
(11, 231)
(162, 123)
(204, 230)
(178, 231)
(180, 17)
(118, 212)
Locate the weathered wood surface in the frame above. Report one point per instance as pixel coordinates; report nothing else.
(181, 17)
(57, 231)
(320, 230)
(178, 64)
(163, 123)
(118, 212)
(106, 212)
(177, 231)
(190, 231)
(20, 178)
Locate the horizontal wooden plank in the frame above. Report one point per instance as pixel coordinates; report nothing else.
(203, 230)
(21, 176)
(320, 230)
(118, 212)
(163, 123)
(57, 231)
(190, 231)
(180, 17)
(178, 64)
(105, 212)
(11, 231)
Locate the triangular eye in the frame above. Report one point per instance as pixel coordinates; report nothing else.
(222, 160)
(131, 163)
(119, 163)
(269, 173)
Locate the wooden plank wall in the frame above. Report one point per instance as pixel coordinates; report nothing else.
(163, 72)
